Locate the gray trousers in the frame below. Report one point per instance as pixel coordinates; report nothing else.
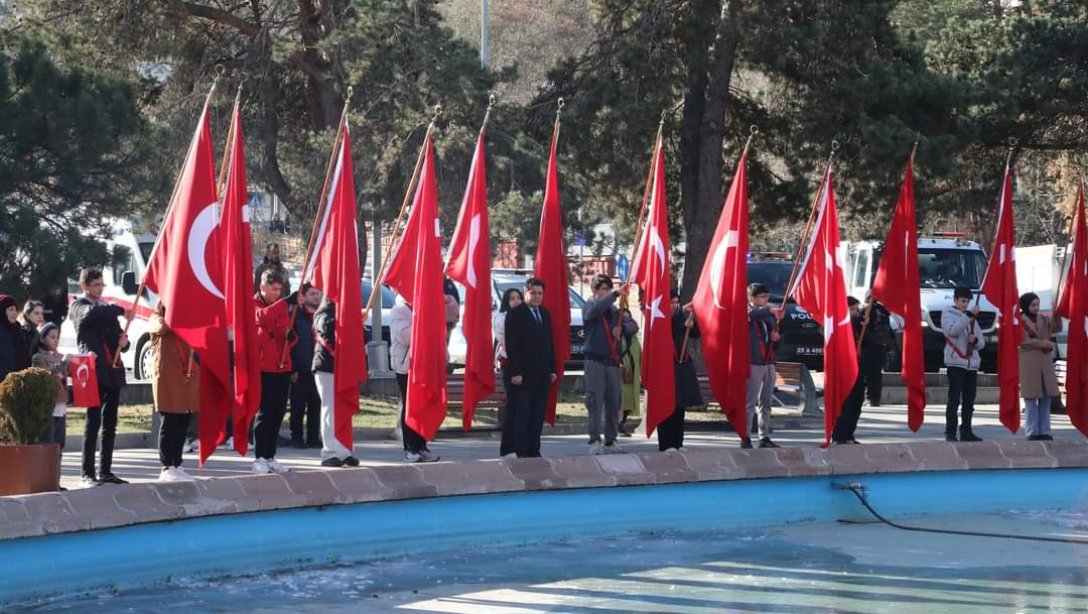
(603, 396)
(760, 393)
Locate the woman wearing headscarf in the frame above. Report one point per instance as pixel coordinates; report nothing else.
(1037, 380)
(14, 351)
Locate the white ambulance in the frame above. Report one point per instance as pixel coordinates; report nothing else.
(121, 277)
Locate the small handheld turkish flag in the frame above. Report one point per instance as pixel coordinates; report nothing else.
(84, 381)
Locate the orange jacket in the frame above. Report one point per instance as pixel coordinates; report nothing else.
(273, 324)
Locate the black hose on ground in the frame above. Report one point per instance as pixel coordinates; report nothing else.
(859, 491)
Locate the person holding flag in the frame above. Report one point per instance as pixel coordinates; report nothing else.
(98, 332)
(604, 334)
(762, 335)
(274, 332)
(963, 342)
(175, 386)
(670, 432)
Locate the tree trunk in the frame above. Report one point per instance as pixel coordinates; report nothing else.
(702, 203)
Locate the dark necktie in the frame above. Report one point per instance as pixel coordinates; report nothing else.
(536, 316)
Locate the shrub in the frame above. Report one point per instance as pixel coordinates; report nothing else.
(26, 405)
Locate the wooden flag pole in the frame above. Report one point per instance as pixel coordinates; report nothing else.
(805, 238)
(375, 288)
(166, 216)
(624, 301)
(322, 206)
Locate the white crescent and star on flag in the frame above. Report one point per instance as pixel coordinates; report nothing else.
(196, 247)
(731, 240)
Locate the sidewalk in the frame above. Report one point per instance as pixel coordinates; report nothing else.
(886, 424)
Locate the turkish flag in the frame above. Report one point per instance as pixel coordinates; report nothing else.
(895, 287)
(721, 304)
(185, 270)
(334, 269)
(1074, 306)
(84, 381)
(416, 273)
(999, 286)
(470, 264)
(553, 270)
(658, 350)
(821, 290)
(234, 233)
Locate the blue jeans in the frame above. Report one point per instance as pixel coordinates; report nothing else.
(1038, 416)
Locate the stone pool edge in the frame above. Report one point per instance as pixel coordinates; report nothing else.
(134, 504)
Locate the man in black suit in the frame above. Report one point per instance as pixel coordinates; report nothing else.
(530, 366)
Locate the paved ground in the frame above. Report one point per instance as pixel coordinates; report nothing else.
(878, 425)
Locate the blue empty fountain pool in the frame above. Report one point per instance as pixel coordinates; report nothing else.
(744, 546)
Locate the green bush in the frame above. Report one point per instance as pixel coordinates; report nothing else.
(27, 398)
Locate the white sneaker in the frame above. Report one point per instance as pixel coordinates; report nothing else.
(182, 476)
(190, 446)
(412, 457)
(261, 467)
(274, 466)
(88, 482)
(228, 444)
(510, 455)
(672, 450)
(426, 456)
(167, 475)
(596, 448)
(612, 448)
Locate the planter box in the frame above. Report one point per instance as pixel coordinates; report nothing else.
(29, 469)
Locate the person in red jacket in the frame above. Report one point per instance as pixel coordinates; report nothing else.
(274, 332)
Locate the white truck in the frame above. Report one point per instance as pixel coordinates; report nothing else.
(121, 277)
(945, 261)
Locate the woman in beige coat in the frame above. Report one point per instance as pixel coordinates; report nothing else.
(175, 384)
(1038, 384)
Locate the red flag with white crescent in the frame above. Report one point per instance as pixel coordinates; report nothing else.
(721, 304)
(234, 233)
(894, 286)
(658, 349)
(416, 273)
(821, 290)
(1074, 306)
(470, 264)
(185, 269)
(553, 270)
(999, 286)
(335, 270)
(84, 381)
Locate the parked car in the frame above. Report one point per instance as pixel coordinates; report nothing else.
(500, 283)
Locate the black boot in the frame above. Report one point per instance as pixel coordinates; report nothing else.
(966, 434)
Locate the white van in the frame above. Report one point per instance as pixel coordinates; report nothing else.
(945, 261)
(121, 278)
